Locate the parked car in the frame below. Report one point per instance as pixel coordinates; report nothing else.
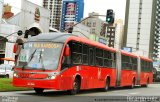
(6, 71)
(156, 74)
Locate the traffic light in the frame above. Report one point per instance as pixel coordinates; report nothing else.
(110, 16)
(19, 33)
(26, 33)
(70, 29)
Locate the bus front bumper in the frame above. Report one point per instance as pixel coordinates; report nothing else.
(36, 83)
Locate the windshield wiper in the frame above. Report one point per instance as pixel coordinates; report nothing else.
(41, 59)
(31, 57)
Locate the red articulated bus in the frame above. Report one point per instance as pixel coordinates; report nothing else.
(146, 75)
(127, 69)
(67, 62)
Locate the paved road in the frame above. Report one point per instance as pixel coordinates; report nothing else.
(84, 96)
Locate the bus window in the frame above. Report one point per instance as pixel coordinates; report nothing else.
(134, 63)
(85, 54)
(123, 62)
(91, 56)
(108, 58)
(99, 57)
(113, 60)
(76, 53)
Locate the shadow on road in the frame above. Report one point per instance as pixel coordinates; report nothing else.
(53, 93)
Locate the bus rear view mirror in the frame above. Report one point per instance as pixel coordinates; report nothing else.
(15, 48)
(67, 51)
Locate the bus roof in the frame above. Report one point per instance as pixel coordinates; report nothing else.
(128, 54)
(56, 37)
(62, 37)
(146, 59)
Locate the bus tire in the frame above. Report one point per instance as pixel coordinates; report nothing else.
(146, 85)
(76, 86)
(7, 76)
(107, 85)
(38, 90)
(133, 83)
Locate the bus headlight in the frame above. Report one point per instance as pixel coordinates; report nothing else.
(51, 76)
(15, 74)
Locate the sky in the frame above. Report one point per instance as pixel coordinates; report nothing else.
(99, 6)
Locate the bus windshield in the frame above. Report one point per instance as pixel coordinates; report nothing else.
(39, 55)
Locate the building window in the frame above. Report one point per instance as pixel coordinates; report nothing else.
(88, 24)
(93, 31)
(94, 24)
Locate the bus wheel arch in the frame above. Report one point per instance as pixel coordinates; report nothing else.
(39, 90)
(147, 82)
(107, 84)
(7, 76)
(76, 85)
(133, 83)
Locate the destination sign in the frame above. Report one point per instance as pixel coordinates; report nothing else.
(42, 45)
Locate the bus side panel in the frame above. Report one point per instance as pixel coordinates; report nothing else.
(111, 72)
(144, 77)
(150, 77)
(127, 77)
(86, 77)
(68, 77)
(94, 73)
(124, 75)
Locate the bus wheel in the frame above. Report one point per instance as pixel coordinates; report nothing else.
(147, 83)
(38, 90)
(7, 76)
(133, 84)
(76, 87)
(107, 85)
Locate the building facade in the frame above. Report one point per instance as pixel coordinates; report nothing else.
(140, 27)
(115, 34)
(1, 10)
(157, 30)
(55, 7)
(32, 18)
(119, 33)
(111, 36)
(6, 44)
(72, 12)
(7, 11)
(82, 30)
(97, 28)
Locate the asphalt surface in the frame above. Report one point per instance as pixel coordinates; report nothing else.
(113, 95)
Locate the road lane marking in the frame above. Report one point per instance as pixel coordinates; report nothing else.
(134, 93)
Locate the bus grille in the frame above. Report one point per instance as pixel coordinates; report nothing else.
(33, 76)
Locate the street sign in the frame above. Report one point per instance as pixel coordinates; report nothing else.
(128, 49)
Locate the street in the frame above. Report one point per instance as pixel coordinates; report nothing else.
(83, 96)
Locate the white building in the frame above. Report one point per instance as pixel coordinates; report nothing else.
(55, 7)
(119, 31)
(139, 26)
(6, 45)
(82, 30)
(97, 28)
(1, 10)
(32, 17)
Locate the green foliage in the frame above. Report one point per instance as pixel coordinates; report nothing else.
(6, 85)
